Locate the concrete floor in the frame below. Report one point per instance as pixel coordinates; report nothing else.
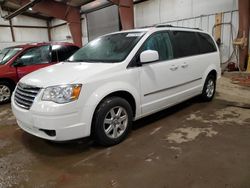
(192, 145)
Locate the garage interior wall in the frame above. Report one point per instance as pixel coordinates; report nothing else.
(94, 24)
(188, 13)
(60, 31)
(22, 34)
(192, 13)
(103, 21)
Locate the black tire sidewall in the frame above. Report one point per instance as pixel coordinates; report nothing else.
(7, 84)
(204, 94)
(102, 110)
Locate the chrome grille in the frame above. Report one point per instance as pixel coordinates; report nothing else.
(24, 95)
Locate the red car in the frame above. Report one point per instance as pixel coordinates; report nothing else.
(17, 61)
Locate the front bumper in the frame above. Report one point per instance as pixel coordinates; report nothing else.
(52, 121)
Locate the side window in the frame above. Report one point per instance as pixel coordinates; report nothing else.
(167, 41)
(58, 53)
(206, 43)
(185, 44)
(159, 42)
(36, 55)
(72, 50)
(61, 53)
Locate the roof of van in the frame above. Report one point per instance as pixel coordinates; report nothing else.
(160, 27)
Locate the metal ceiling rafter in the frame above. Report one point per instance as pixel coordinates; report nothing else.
(97, 8)
(33, 15)
(21, 9)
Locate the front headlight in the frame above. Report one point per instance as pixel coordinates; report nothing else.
(62, 94)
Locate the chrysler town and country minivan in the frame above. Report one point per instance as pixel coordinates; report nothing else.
(117, 79)
(18, 61)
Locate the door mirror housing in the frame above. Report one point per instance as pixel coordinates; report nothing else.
(149, 56)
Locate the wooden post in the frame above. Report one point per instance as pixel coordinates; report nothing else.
(218, 21)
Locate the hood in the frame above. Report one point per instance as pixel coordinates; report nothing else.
(65, 73)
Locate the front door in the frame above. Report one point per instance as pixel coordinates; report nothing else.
(32, 60)
(158, 79)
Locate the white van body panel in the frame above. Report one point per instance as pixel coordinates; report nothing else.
(153, 86)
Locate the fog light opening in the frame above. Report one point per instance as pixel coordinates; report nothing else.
(49, 132)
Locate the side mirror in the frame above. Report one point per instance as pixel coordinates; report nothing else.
(149, 56)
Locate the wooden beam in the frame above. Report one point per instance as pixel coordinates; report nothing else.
(244, 24)
(218, 21)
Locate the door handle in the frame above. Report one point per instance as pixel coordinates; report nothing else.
(184, 65)
(174, 67)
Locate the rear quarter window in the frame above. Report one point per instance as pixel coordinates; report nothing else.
(61, 53)
(207, 44)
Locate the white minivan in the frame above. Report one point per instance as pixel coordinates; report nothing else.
(114, 80)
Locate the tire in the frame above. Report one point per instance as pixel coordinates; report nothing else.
(209, 88)
(112, 121)
(6, 90)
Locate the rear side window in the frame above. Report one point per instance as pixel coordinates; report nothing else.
(72, 49)
(159, 42)
(206, 43)
(61, 53)
(185, 44)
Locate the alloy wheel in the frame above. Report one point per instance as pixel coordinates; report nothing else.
(210, 88)
(115, 122)
(5, 93)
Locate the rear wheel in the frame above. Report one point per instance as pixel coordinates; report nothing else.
(6, 90)
(112, 121)
(209, 88)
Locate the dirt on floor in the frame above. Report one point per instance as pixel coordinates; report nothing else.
(192, 145)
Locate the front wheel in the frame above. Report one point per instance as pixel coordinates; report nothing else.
(5, 92)
(112, 121)
(209, 88)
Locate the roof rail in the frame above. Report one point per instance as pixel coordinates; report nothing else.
(168, 25)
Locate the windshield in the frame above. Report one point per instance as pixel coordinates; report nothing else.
(7, 53)
(109, 48)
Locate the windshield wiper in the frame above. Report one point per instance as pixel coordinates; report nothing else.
(92, 61)
(78, 60)
(82, 60)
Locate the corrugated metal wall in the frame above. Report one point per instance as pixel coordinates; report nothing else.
(23, 35)
(94, 24)
(192, 13)
(102, 22)
(60, 33)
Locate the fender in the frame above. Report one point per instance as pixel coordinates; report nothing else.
(208, 70)
(101, 92)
